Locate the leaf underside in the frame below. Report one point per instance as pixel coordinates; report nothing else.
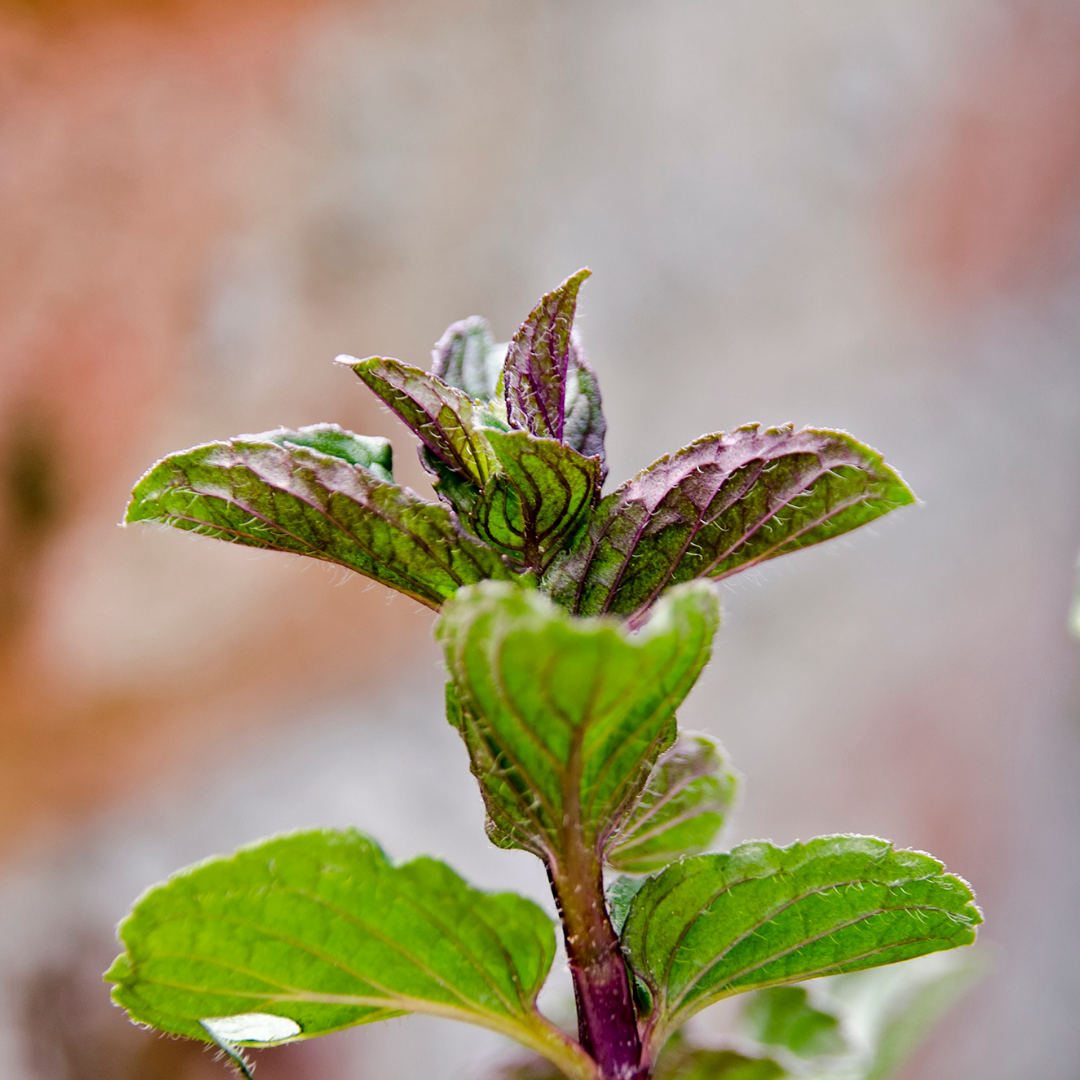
(715, 925)
(564, 718)
(466, 356)
(681, 810)
(442, 417)
(321, 929)
(722, 504)
(292, 498)
(534, 376)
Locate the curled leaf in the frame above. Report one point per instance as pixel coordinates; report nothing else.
(466, 356)
(534, 376)
(536, 500)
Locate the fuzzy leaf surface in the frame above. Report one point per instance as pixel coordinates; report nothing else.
(722, 504)
(466, 356)
(715, 925)
(442, 417)
(682, 809)
(319, 928)
(564, 718)
(292, 498)
(534, 376)
(537, 499)
(585, 425)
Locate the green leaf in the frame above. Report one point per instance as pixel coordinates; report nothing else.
(783, 1016)
(534, 376)
(722, 504)
(563, 717)
(680, 1061)
(374, 454)
(466, 356)
(319, 929)
(682, 808)
(715, 925)
(442, 417)
(538, 498)
(253, 491)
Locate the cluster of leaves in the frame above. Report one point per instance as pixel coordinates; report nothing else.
(573, 625)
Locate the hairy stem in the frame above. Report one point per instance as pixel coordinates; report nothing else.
(607, 1021)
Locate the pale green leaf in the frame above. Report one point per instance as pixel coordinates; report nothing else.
(292, 498)
(564, 718)
(715, 925)
(318, 928)
(537, 499)
(682, 808)
(374, 454)
(784, 1016)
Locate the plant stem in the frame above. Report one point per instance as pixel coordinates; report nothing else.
(607, 1019)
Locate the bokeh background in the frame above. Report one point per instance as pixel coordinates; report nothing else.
(855, 213)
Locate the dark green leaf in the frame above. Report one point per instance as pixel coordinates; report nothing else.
(681, 810)
(537, 499)
(291, 498)
(564, 718)
(317, 931)
(374, 454)
(442, 417)
(715, 925)
(720, 505)
(454, 490)
(534, 376)
(783, 1016)
(467, 357)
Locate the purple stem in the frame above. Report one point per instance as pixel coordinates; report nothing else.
(607, 1019)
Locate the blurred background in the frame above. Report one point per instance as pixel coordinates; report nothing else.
(855, 213)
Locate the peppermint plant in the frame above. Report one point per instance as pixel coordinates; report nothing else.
(574, 624)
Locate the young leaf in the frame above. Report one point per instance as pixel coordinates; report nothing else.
(442, 417)
(584, 427)
(317, 931)
(267, 491)
(681, 810)
(534, 376)
(715, 925)
(538, 498)
(564, 718)
(467, 357)
(374, 454)
(783, 1016)
(722, 504)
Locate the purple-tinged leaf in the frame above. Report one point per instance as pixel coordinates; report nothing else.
(536, 500)
(466, 356)
(722, 504)
(255, 492)
(534, 377)
(584, 427)
(443, 417)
